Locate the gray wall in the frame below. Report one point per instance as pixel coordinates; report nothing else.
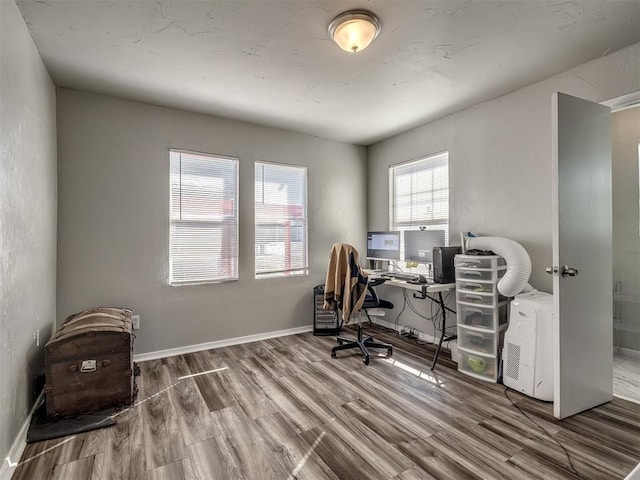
(27, 220)
(625, 136)
(113, 173)
(500, 160)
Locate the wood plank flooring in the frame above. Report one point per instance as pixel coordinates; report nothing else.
(283, 409)
(626, 376)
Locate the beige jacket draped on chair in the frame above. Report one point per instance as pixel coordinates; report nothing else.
(346, 284)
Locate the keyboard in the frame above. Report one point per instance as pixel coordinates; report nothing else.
(406, 277)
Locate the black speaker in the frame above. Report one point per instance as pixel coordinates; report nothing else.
(443, 269)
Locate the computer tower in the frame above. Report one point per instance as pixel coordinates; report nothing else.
(325, 322)
(443, 269)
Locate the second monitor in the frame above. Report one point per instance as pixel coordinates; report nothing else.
(418, 244)
(383, 245)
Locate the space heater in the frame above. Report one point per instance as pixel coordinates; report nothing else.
(527, 356)
(325, 321)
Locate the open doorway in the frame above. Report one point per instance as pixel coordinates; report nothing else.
(625, 129)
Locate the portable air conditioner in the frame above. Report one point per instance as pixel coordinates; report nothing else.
(527, 355)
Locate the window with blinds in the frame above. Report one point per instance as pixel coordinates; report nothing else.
(419, 195)
(203, 238)
(281, 220)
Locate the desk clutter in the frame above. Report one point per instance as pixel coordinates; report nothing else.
(483, 314)
(407, 277)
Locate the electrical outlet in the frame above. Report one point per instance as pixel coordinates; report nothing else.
(135, 320)
(36, 337)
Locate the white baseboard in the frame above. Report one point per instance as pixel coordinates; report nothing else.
(170, 352)
(421, 336)
(635, 474)
(10, 462)
(627, 352)
(628, 399)
(142, 357)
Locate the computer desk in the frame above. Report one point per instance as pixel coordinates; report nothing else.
(422, 292)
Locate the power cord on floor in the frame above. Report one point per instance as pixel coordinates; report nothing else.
(409, 332)
(566, 452)
(404, 305)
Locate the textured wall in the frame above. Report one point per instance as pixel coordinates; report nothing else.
(114, 218)
(500, 160)
(625, 138)
(27, 220)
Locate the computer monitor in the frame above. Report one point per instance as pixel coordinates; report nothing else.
(383, 246)
(418, 244)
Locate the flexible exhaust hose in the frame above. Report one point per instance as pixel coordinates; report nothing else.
(516, 277)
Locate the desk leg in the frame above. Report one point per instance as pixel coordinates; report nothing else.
(443, 309)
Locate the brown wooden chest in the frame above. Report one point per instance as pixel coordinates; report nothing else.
(89, 363)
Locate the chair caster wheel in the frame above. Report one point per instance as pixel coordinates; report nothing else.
(365, 360)
(333, 354)
(390, 352)
(340, 342)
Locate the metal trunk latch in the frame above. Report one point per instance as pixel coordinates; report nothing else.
(88, 366)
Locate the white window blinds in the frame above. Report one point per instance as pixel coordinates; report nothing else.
(203, 239)
(281, 220)
(419, 194)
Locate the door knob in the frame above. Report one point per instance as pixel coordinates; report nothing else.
(551, 270)
(568, 271)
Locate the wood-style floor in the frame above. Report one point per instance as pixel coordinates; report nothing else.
(283, 409)
(626, 376)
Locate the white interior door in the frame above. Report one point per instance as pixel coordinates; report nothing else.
(582, 257)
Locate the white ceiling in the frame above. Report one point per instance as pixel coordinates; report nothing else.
(271, 61)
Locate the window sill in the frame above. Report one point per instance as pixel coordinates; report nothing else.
(204, 282)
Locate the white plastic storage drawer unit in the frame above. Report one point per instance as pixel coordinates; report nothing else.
(489, 318)
(490, 262)
(483, 314)
(476, 287)
(474, 298)
(480, 288)
(479, 366)
(478, 275)
(478, 340)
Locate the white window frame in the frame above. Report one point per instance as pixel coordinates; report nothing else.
(227, 223)
(279, 222)
(435, 161)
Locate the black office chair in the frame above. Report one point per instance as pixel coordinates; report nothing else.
(343, 272)
(372, 300)
(364, 343)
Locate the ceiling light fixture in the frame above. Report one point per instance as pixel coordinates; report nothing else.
(354, 30)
